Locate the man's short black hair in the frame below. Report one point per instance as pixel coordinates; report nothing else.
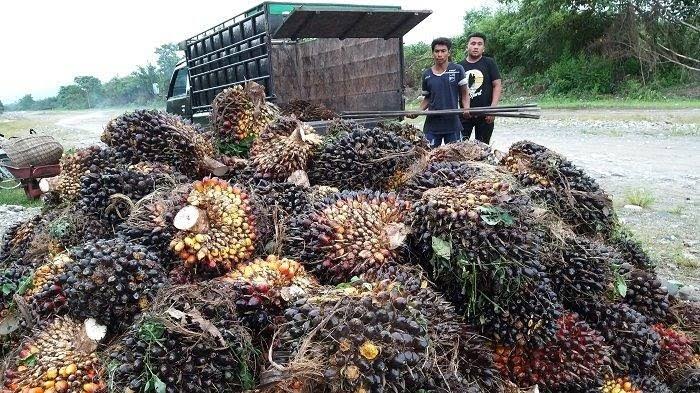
(477, 35)
(441, 41)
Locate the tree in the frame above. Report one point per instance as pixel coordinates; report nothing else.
(72, 97)
(2, 108)
(92, 88)
(26, 103)
(168, 57)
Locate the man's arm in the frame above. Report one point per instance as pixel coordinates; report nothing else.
(424, 103)
(497, 87)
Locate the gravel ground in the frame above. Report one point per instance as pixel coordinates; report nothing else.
(625, 150)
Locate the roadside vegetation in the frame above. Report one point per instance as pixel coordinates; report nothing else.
(16, 196)
(565, 54)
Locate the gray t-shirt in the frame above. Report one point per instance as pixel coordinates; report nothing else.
(442, 92)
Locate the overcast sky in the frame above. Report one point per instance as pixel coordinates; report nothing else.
(45, 44)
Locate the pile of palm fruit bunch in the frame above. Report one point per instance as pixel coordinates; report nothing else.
(307, 111)
(262, 256)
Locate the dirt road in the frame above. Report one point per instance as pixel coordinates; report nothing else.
(626, 150)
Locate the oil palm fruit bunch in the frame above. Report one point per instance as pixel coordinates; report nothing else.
(566, 189)
(240, 113)
(151, 220)
(645, 294)
(319, 193)
(289, 198)
(111, 281)
(516, 314)
(572, 360)
(686, 316)
(307, 111)
(110, 194)
(580, 268)
(341, 127)
(281, 150)
(406, 131)
(377, 337)
(438, 174)
(13, 280)
(361, 159)
(461, 151)
(349, 233)
(631, 250)
(634, 384)
(263, 288)
(45, 294)
(676, 350)
(188, 341)
(635, 345)
(481, 220)
(17, 239)
(687, 382)
(73, 166)
(217, 227)
(59, 357)
(161, 137)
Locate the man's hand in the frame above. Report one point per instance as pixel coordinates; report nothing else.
(413, 116)
(489, 119)
(466, 114)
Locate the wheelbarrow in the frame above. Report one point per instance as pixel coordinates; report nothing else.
(28, 177)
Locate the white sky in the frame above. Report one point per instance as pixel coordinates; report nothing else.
(45, 44)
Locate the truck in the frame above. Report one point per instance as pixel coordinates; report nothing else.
(346, 57)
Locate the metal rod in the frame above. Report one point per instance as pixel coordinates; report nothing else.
(477, 108)
(441, 112)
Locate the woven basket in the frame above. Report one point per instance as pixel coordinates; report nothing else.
(34, 150)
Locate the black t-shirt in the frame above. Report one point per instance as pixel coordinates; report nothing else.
(480, 76)
(442, 92)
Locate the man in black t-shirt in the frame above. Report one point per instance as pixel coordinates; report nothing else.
(443, 85)
(484, 82)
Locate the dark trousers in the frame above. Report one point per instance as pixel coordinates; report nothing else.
(483, 129)
(437, 139)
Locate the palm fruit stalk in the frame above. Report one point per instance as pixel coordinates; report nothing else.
(361, 159)
(264, 287)
(307, 111)
(406, 131)
(217, 227)
(284, 147)
(164, 138)
(635, 345)
(563, 187)
(189, 341)
(376, 337)
(634, 384)
(348, 233)
(580, 268)
(676, 352)
(111, 281)
(59, 357)
(645, 293)
(240, 113)
(572, 360)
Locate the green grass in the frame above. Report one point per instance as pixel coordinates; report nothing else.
(603, 103)
(16, 196)
(640, 197)
(677, 210)
(14, 127)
